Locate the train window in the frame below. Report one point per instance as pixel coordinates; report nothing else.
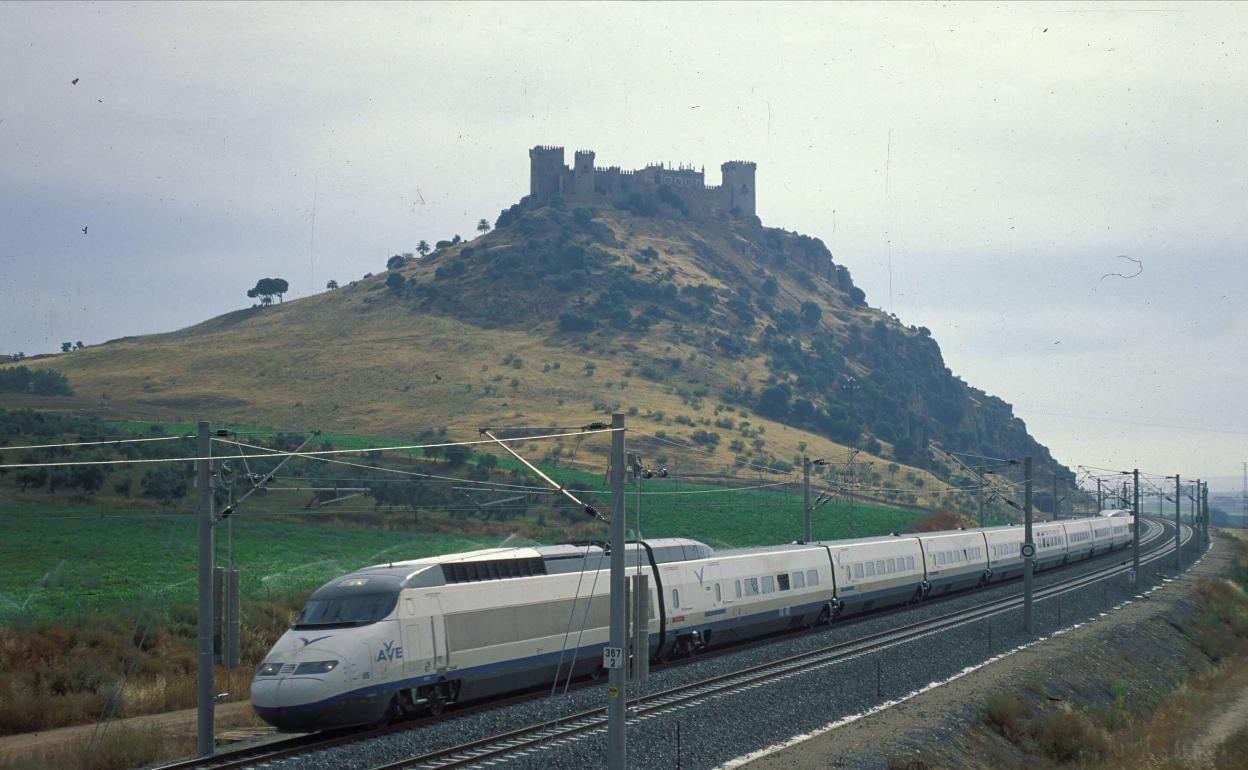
(891, 564)
(769, 584)
(940, 558)
(870, 567)
(812, 577)
(782, 581)
(738, 582)
(909, 562)
(675, 598)
(799, 580)
(858, 570)
(751, 586)
(718, 597)
(879, 567)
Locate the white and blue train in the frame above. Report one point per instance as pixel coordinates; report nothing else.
(416, 636)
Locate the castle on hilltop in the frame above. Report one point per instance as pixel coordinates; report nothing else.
(584, 182)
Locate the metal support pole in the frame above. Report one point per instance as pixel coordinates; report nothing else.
(1191, 508)
(1054, 495)
(1135, 521)
(1178, 511)
(618, 678)
(1204, 504)
(806, 536)
(1029, 547)
(205, 744)
(1100, 498)
(981, 506)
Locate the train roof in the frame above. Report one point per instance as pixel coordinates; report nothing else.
(871, 539)
(766, 549)
(502, 563)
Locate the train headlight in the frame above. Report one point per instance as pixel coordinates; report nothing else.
(269, 669)
(316, 667)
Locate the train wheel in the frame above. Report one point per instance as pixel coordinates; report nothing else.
(392, 714)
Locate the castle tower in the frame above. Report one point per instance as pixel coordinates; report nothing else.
(739, 185)
(583, 174)
(546, 171)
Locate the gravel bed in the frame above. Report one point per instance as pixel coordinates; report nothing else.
(729, 726)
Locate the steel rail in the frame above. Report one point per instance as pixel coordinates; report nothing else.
(255, 755)
(530, 738)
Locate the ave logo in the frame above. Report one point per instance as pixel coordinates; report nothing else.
(390, 652)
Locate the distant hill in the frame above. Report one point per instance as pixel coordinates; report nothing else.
(749, 340)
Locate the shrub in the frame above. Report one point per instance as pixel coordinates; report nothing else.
(1069, 737)
(574, 322)
(703, 437)
(1006, 714)
(43, 382)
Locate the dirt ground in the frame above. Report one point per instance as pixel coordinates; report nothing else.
(234, 721)
(931, 727)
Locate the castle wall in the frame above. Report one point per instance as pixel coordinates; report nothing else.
(584, 183)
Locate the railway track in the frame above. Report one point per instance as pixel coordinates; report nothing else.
(526, 740)
(573, 727)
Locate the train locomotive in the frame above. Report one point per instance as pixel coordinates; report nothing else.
(417, 636)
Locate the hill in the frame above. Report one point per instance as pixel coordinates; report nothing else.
(747, 340)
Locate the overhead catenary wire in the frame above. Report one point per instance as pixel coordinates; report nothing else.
(499, 486)
(589, 509)
(108, 442)
(318, 452)
(709, 452)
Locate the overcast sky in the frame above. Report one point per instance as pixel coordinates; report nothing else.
(982, 170)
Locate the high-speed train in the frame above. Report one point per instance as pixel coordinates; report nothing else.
(416, 636)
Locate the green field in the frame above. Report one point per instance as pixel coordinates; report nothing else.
(67, 560)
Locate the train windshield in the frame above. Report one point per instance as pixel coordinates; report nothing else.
(341, 612)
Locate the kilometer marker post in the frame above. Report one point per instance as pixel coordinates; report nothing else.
(617, 678)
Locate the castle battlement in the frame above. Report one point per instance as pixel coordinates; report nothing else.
(585, 183)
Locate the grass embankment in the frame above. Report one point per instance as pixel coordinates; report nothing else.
(1128, 732)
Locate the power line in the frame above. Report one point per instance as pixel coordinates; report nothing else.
(92, 443)
(711, 453)
(403, 448)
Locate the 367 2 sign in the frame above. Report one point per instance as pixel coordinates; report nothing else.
(612, 657)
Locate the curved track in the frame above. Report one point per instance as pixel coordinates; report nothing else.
(588, 722)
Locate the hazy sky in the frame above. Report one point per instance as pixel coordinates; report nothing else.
(979, 168)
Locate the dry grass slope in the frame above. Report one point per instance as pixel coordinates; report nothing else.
(362, 360)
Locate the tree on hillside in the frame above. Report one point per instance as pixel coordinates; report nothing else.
(78, 345)
(423, 247)
(331, 285)
(165, 482)
(395, 262)
(66, 347)
(811, 313)
(483, 226)
(267, 288)
(395, 282)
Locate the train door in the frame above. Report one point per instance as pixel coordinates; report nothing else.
(417, 641)
(441, 654)
(711, 580)
(425, 638)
